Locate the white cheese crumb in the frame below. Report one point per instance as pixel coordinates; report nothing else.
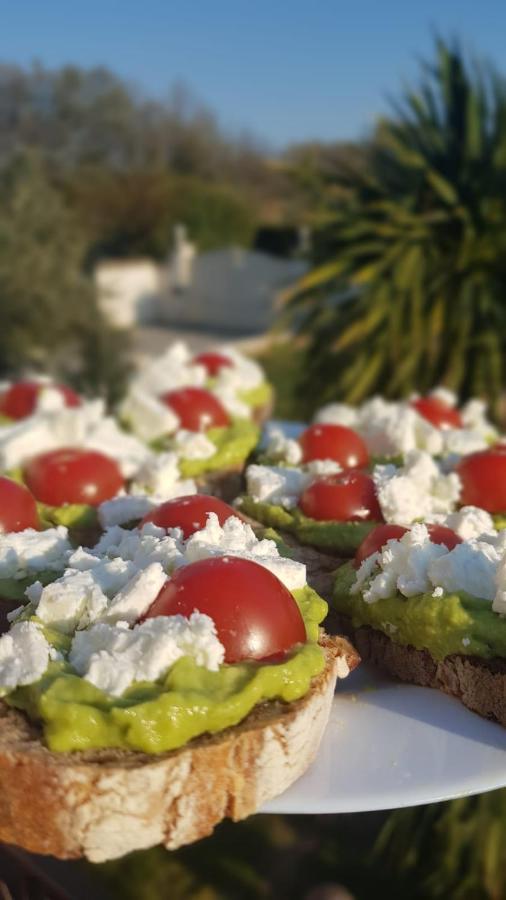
(24, 655)
(470, 522)
(466, 641)
(25, 553)
(416, 490)
(147, 416)
(281, 448)
(130, 603)
(236, 538)
(161, 477)
(193, 445)
(125, 508)
(112, 657)
(276, 484)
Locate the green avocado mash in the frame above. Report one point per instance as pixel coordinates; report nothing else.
(189, 701)
(499, 522)
(437, 624)
(233, 446)
(257, 396)
(341, 537)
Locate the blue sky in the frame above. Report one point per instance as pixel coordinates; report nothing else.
(286, 70)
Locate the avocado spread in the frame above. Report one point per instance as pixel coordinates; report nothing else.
(257, 396)
(189, 701)
(440, 625)
(341, 537)
(233, 446)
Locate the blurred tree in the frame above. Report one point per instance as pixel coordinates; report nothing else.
(48, 314)
(409, 276)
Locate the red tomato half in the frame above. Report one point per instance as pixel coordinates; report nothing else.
(350, 497)
(440, 534)
(335, 442)
(20, 399)
(376, 539)
(70, 475)
(213, 362)
(437, 412)
(18, 509)
(198, 409)
(189, 513)
(483, 477)
(255, 615)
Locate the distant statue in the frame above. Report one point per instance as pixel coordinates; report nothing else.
(181, 260)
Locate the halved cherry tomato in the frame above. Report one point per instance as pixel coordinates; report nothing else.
(70, 475)
(437, 412)
(483, 476)
(189, 513)
(376, 539)
(347, 497)
(18, 509)
(440, 534)
(335, 442)
(198, 409)
(213, 362)
(255, 615)
(20, 399)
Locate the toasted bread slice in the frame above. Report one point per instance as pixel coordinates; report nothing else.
(106, 803)
(480, 684)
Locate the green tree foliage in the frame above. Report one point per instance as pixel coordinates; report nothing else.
(133, 212)
(48, 314)
(408, 286)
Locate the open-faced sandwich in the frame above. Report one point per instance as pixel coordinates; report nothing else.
(207, 407)
(157, 682)
(433, 423)
(429, 605)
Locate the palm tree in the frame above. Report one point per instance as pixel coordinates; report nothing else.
(408, 288)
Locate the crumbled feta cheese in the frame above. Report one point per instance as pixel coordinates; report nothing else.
(24, 553)
(414, 565)
(160, 476)
(143, 546)
(445, 396)
(229, 399)
(279, 447)
(461, 441)
(499, 601)
(276, 484)
(403, 566)
(147, 416)
(469, 522)
(466, 641)
(114, 657)
(24, 655)
(236, 538)
(80, 597)
(49, 399)
(125, 508)
(319, 467)
(470, 566)
(244, 373)
(338, 414)
(193, 445)
(395, 428)
(416, 490)
(132, 601)
(20, 440)
(172, 370)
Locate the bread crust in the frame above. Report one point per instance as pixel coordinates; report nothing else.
(104, 804)
(480, 684)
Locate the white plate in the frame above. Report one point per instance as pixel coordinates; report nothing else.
(389, 745)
